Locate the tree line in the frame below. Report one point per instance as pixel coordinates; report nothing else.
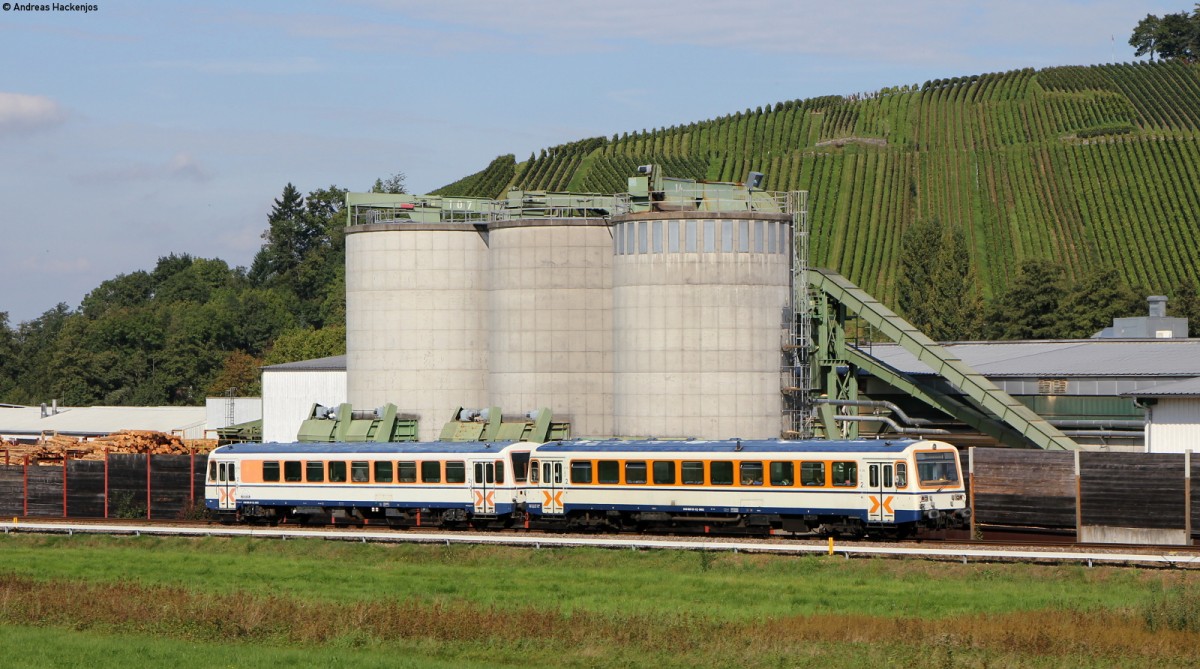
(193, 327)
(938, 293)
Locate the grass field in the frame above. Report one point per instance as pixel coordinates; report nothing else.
(128, 602)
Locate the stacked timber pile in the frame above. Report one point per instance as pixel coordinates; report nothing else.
(54, 449)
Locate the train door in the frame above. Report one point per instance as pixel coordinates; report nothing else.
(226, 483)
(483, 486)
(881, 492)
(550, 483)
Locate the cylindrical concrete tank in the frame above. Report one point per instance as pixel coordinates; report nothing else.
(698, 311)
(551, 320)
(417, 319)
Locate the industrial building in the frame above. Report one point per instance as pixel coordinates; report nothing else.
(686, 309)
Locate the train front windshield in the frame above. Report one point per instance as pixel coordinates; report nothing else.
(937, 468)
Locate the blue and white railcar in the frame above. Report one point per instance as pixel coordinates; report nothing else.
(848, 487)
(404, 484)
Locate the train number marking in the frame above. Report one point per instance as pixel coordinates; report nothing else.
(876, 503)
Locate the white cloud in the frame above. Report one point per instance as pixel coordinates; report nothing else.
(268, 67)
(26, 113)
(182, 166)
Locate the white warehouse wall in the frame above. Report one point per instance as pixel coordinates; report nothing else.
(288, 395)
(1173, 425)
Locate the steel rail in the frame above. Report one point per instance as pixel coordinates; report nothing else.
(1163, 558)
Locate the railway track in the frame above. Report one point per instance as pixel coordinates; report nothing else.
(946, 548)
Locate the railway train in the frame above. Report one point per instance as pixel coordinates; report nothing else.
(815, 487)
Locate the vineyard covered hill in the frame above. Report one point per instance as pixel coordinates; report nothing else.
(1088, 166)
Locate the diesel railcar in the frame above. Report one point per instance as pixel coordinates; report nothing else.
(804, 487)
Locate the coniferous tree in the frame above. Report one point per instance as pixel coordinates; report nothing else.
(919, 246)
(1092, 302)
(1029, 308)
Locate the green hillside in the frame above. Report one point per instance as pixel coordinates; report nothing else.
(1088, 166)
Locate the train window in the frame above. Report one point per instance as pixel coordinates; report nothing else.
(547, 476)
(937, 468)
(720, 472)
(383, 471)
(664, 473)
(558, 472)
(783, 473)
(291, 470)
(212, 471)
(456, 472)
(314, 471)
(901, 475)
(337, 472)
(431, 471)
(406, 472)
(500, 471)
(635, 471)
(360, 472)
(752, 473)
(609, 471)
(845, 474)
(520, 467)
(271, 471)
(887, 476)
(533, 472)
(873, 477)
(221, 473)
(581, 471)
(812, 473)
(233, 471)
(692, 473)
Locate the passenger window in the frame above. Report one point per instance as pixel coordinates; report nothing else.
(635, 471)
(456, 472)
(212, 472)
(664, 473)
(558, 472)
(533, 472)
(721, 472)
(314, 471)
(692, 473)
(547, 476)
(812, 473)
(337, 472)
(873, 476)
(500, 472)
(752, 473)
(782, 473)
(383, 471)
(291, 470)
(845, 474)
(520, 467)
(271, 471)
(581, 471)
(609, 471)
(431, 472)
(221, 473)
(887, 476)
(233, 472)
(360, 472)
(901, 475)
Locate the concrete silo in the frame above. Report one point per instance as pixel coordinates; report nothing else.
(699, 306)
(551, 319)
(417, 318)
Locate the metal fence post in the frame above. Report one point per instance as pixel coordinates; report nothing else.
(147, 485)
(1078, 502)
(106, 484)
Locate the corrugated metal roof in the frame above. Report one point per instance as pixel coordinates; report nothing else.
(1185, 388)
(334, 363)
(90, 421)
(1088, 357)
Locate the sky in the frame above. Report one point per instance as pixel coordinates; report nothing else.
(135, 130)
